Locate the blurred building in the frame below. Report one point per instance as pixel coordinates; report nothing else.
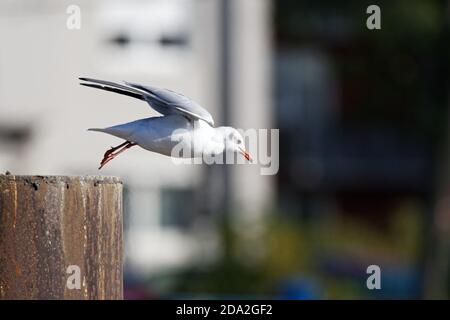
(44, 113)
(362, 115)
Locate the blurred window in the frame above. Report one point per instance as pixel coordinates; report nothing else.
(177, 208)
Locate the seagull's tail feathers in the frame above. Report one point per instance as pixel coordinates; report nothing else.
(114, 87)
(120, 131)
(98, 129)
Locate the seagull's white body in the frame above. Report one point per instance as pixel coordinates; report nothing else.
(185, 125)
(162, 134)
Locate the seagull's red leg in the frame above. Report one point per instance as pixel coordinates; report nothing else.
(110, 154)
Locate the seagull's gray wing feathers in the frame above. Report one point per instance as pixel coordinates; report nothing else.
(162, 100)
(103, 84)
(116, 90)
(168, 101)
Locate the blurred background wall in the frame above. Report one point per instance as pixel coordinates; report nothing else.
(363, 138)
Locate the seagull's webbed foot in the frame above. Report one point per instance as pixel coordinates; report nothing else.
(111, 154)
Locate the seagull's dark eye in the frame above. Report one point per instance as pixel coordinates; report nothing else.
(239, 141)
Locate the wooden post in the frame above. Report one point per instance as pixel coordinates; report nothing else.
(58, 234)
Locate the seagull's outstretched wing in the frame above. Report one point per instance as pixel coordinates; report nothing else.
(169, 101)
(162, 100)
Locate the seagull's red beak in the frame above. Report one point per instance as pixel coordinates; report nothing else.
(245, 154)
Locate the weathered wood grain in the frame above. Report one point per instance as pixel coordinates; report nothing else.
(48, 223)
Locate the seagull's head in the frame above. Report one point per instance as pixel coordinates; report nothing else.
(234, 142)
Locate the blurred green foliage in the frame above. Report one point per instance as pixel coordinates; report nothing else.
(293, 248)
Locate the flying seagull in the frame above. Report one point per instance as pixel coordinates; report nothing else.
(184, 124)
